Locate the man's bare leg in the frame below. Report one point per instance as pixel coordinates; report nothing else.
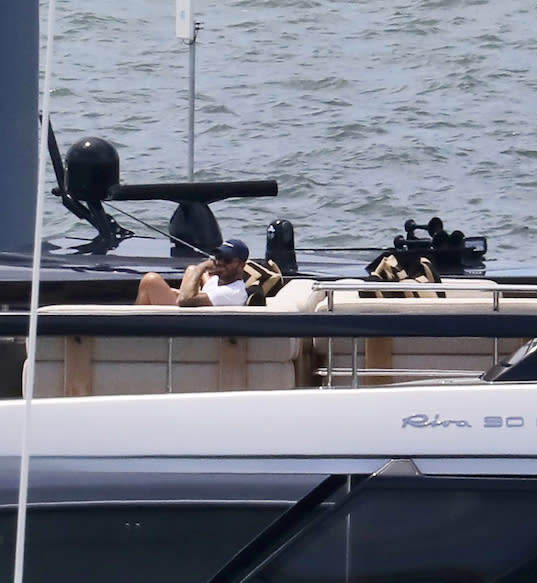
(153, 290)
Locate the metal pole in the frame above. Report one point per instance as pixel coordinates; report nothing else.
(187, 29)
(191, 106)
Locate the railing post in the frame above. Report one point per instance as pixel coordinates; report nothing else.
(354, 362)
(496, 308)
(330, 363)
(169, 372)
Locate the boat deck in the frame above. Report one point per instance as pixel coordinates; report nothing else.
(311, 334)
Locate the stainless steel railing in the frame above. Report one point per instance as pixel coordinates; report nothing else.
(496, 292)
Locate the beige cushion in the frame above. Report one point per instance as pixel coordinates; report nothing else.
(469, 293)
(296, 296)
(132, 365)
(458, 305)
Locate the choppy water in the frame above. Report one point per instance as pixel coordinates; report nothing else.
(366, 112)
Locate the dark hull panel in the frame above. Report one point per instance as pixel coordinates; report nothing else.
(87, 525)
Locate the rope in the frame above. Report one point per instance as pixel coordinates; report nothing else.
(34, 303)
(176, 239)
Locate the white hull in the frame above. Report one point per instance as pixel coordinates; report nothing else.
(460, 421)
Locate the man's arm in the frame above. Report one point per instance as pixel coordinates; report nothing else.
(189, 292)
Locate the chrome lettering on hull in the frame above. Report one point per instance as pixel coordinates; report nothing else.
(421, 420)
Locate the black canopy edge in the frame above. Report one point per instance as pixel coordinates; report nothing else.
(265, 325)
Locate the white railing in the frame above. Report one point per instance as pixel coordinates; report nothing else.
(495, 290)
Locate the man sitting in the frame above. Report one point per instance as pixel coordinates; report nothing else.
(209, 283)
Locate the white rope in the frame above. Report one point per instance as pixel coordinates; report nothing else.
(34, 303)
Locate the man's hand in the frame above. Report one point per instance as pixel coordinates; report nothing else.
(189, 292)
(209, 265)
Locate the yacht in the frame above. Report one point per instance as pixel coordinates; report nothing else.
(340, 428)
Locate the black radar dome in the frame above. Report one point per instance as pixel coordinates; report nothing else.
(91, 167)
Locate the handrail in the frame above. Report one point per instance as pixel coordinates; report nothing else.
(396, 372)
(497, 291)
(417, 286)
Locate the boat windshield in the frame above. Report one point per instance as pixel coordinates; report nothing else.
(412, 529)
(521, 366)
(529, 348)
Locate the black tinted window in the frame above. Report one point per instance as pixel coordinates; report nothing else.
(422, 530)
(131, 544)
(386, 530)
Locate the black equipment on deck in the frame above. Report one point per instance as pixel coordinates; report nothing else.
(92, 176)
(281, 246)
(449, 252)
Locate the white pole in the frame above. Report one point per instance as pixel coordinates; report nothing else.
(186, 29)
(20, 539)
(191, 109)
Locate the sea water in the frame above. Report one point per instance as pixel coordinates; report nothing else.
(367, 113)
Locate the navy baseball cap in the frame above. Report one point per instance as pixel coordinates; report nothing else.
(232, 249)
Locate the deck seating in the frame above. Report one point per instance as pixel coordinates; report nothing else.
(82, 365)
(406, 353)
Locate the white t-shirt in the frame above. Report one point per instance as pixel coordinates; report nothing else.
(229, 294)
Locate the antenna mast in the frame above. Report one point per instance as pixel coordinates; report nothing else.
(187, 29)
